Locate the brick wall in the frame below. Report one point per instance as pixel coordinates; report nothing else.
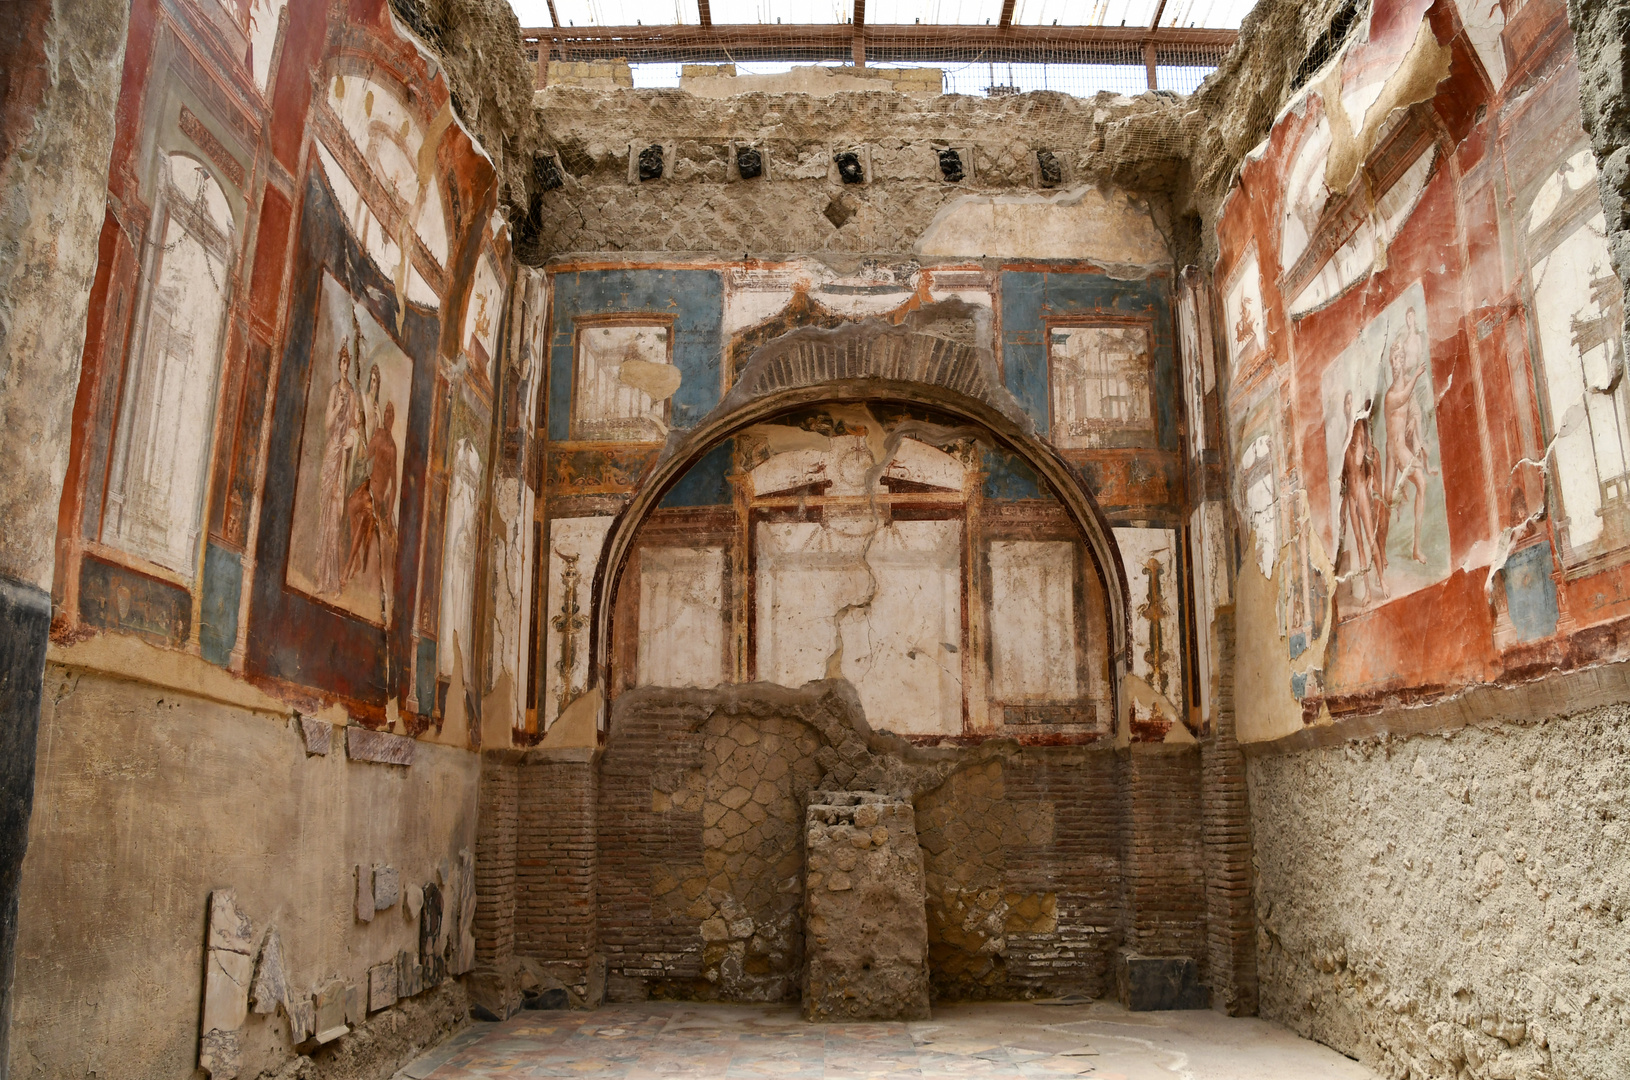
(678, 856)
(1078, 859)
(556, 858)
(642, 943)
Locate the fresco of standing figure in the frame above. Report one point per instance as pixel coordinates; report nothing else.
(1362, 507)
(1408, 460)
(342, 421)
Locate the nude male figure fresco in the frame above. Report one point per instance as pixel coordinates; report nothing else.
(1408, 461)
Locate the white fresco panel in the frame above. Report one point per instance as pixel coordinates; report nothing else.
(890, 597)
(1032, 620)
(681, 638)
(1150, 558)
(575, 546)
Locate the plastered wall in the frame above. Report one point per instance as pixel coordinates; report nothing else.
(147, 800)
(1481, 944)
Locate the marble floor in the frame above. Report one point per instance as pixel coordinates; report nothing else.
(1006, 1040)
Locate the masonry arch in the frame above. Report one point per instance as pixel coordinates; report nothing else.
(735, 416)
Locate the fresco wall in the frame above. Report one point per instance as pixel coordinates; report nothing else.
(292, 549)
(1422, 351)
(902, 547)
(1424, 341)
(950, 539)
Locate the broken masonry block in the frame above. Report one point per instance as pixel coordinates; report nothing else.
(951, 166)
(749, 162)
(365, 893)
(318, 735)
(228, 965)
(330, 1012)
(1049, 168)
(651, 163)
(355, 1006)
(271, 987)
(546, 171)
(850, 171)
(866, 937)
(387, 887)
(382, 986)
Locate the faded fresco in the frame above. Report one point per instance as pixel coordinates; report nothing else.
(891, 547)
(1100, 386)
(276, 448)
(1387, 527)
(1428, 459)
(267, 478)
(858, 541)
(344, 537)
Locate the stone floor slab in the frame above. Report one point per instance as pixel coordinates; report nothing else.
(988, 1041)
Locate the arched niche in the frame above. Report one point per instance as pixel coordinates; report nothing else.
(996, 424)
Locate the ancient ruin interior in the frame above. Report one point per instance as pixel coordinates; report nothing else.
(579, 543)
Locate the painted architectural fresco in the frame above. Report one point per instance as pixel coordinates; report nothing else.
(867, 542)
(282, 462)
(857, 541)
(1425, 343)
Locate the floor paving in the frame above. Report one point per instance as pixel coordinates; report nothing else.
(989, 1041)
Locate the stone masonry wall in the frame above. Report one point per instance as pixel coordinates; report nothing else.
(1452, 905)
(698, 206)
(1034, 872)
(867, 942)
(1602, 42)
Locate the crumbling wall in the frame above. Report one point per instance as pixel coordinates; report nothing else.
(1281, 43)
(700, 204)
(479, 45)
(1601, 31)
(1024, 875)
(1452, 905)
(59, 81)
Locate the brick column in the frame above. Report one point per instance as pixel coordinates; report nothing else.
(495, 858)
(1162, 964)
(556, 865)
(1230, 922)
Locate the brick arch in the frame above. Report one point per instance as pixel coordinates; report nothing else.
(920, 347)
(733, 416)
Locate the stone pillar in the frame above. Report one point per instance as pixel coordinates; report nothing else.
(866, 926)
(60, 68)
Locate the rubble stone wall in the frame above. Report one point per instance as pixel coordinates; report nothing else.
(1451, 904)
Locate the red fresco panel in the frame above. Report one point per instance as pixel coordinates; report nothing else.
(271, 245)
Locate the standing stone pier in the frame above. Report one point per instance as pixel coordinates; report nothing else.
(866, 927)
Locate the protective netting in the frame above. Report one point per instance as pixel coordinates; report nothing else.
(990, 79)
